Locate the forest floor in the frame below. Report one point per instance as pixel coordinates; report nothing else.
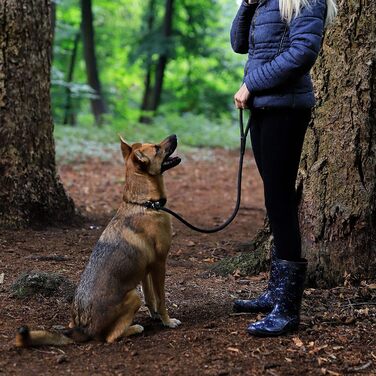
(338, 329)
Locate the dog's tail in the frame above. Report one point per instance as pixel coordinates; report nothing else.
(31, 338)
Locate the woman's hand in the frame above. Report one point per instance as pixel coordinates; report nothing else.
(241, 97)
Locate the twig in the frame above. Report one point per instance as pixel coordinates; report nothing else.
(240, 314)
(352, 305)
(360, 368)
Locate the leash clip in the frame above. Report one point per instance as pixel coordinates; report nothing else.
(155, 205)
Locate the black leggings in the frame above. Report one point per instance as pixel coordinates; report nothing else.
(277, 137)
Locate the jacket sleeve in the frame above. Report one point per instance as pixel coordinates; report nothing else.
(240, 28)
(306, 32)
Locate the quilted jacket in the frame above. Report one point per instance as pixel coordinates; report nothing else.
(280, 55)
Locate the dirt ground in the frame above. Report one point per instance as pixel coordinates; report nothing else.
(337, 335)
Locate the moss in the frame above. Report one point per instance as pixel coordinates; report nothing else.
(247, 263)
(253, 260)
(33, 283)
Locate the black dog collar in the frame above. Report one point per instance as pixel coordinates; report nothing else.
(155, 205)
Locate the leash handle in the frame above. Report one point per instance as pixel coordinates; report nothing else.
(243, 142)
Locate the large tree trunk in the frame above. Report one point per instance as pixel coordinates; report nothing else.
(98, 105)
(338, 177)
(30, 191)
(53, 25)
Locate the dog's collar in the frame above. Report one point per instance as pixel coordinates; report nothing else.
(151, 204)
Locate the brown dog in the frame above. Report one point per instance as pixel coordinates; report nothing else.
(132, 249)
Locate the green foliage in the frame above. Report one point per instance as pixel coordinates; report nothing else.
(192, 130)
(202, 74)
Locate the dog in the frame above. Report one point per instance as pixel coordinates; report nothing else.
(132, 249)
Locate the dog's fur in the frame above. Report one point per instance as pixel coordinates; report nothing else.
(131, 250)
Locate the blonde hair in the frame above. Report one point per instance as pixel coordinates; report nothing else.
(291, 8)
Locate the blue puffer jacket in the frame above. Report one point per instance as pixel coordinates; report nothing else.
(280, 56)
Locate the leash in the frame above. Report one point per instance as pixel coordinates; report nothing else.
(158, 205)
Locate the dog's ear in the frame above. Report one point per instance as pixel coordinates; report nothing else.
(141, 157)
(125, 148)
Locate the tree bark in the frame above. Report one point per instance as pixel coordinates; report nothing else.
(53, 26)
(337, 175)
(30, 191)
(98, 104)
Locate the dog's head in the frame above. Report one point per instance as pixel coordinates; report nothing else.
(153, 159)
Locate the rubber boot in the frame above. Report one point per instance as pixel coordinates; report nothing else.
(288, 294)
(265, 302)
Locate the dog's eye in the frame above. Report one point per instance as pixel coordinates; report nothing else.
(157, 149)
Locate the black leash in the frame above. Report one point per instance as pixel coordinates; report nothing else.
(157, 205)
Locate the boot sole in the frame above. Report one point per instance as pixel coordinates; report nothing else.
(272, 334)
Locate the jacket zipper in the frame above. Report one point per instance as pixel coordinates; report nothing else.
(282, 39)
(254, 21)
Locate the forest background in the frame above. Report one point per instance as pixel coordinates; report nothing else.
(145, 69)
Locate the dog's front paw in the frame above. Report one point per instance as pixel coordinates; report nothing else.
(134, 329)
(172, 323)
(137, 329)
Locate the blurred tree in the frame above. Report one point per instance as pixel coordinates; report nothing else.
(162, 60)
(30, 191)
(145, 105)
(97, 101)
(152, 93)
(70, 115)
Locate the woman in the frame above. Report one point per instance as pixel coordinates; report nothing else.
(282, 39)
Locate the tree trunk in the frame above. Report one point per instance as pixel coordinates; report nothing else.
(145, 106)
(30, 191)
(98, 105)
(53, 26)
(337, 176)
(69, 116)
(162, 61)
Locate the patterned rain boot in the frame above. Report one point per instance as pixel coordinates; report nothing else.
(265, 302)
(288, 294)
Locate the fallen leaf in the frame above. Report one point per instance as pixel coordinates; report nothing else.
(233, 349)
(363, 311)
(2, 275)
(349, 320)
(298, 342)
(321, 360)
(333, 373)
(237, 273)
(191, 243)
(337, 347)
